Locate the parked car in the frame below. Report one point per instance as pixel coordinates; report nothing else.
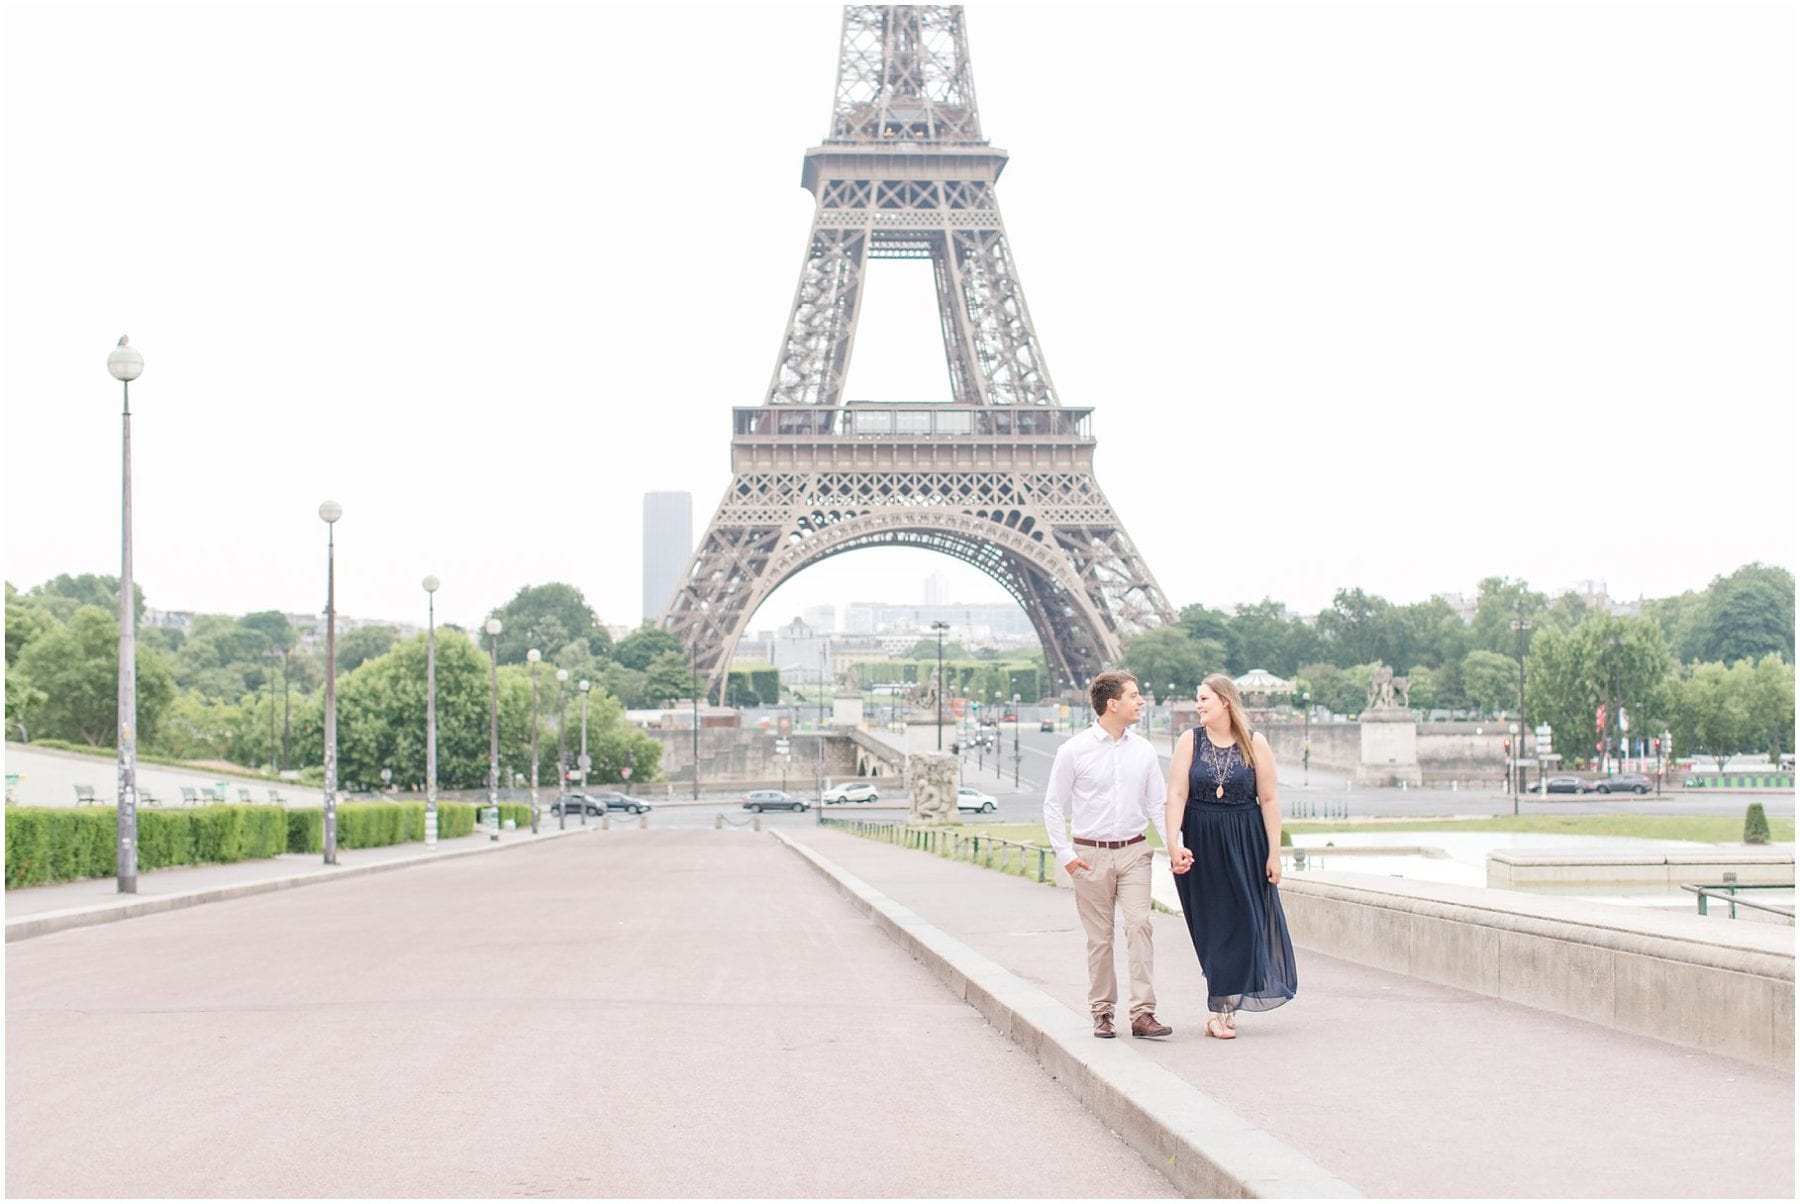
(1046, 725)
(850, 792)
(968, 799)
(1620, 783)
(575, 804)
(612, 800)
(1565, 784)
(773, 800)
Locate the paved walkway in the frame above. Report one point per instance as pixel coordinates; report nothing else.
(725, 1024)
(1400, 1087)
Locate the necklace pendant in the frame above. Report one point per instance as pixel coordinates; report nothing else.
(1219, 791)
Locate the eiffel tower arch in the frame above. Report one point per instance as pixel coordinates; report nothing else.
(1001, 476)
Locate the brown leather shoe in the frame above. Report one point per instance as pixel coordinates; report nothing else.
(1148, 1025)
(1103, 1026)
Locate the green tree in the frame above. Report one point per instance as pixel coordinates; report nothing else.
(1204, 624)
(1430, 633)
(549, 617)
(1341, 691)
(273, 626)
(25, 621)
(1712, 712)
(1770, 703)
(22, 702)
(642, 646)
(221, 659)
(1360, 628)
(1499, 603)
(1490, 681)
(666, 680)
(365, 644)
(197, 728)
(76, 665)
(1263, 637)
(64, 593)
(927, 650)
(1748, 614)
(1604, 660)
(1167, 654)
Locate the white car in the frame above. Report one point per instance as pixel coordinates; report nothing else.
(850, 792)
(973, 800)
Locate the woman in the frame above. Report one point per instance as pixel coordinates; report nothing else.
(1224, 824)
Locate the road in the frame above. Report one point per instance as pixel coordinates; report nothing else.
(650, 1014)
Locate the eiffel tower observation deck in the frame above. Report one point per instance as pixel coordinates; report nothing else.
(1001, 474)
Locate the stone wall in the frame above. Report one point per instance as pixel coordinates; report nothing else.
(734, 759)
(1722, 986)
(1466, 753)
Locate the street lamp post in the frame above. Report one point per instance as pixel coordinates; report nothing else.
(562, 752)
(1016, 753)
(330, 511)
(493, 629)
(584, 686)
(126, 365)
(431, 833)
(940, 627)
(532, 657)
(1515, 771)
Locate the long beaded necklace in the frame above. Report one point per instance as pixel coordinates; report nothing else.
(1216, 759)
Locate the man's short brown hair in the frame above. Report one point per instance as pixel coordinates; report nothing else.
(1106, 687)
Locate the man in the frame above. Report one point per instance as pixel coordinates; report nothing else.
(1109, 782)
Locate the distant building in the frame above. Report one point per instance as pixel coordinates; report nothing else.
(822, 618)
(668, 544)
(937, 590)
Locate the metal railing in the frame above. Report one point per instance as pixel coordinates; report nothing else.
(1728, 892)
(1015, 857)
(1318, 809)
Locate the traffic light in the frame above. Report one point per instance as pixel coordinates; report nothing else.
(1506, 747)
(1656, 744)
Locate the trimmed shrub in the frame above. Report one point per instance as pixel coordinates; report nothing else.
(454, 819)
(49, 844)
(1756, 825)
(305, 830)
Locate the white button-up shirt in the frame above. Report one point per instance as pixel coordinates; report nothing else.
(1108, 788)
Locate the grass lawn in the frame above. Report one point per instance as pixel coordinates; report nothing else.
(1708, 829)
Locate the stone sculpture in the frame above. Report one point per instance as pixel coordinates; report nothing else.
(1381, 688)
(931, 787)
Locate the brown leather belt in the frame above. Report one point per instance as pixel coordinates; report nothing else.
(1108, 844)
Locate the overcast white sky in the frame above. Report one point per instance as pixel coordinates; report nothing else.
(1410, 294)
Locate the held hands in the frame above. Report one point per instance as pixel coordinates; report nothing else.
(1180, 860)
(1274, 869)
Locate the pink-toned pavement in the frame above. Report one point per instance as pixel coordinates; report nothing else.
(659, 1013)
(1397, 1086)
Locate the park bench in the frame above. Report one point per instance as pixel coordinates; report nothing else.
(275, 797)
(244, 795)
(190, 797)
(212, 794)
(148, 799)
(85, 795)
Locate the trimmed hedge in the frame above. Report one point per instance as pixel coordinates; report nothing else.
(53, 844)
(372, 825)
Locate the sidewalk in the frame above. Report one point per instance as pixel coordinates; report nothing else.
(38, 910)
(1396, 1086)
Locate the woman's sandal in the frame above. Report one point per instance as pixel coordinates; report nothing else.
(1230, 1019)
(1216, 1026)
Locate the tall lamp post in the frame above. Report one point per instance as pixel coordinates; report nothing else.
(532, 658)
(562, 752)
(126, 365)
(431, 588)
(330, 511)
(584, 686)
(493, 629)
(939, 626)
(1513, 771)
(1016, 753)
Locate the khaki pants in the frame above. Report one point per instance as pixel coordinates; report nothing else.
(1121, 877)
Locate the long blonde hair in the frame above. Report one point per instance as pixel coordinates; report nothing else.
(1227, 692)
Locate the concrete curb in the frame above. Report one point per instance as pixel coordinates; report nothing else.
(1200, 1146)
(48, 922)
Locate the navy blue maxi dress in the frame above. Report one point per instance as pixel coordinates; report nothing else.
(1233, 911)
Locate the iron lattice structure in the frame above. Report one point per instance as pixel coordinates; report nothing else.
(1001, 476)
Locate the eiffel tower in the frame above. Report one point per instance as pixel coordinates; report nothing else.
(1001, 476)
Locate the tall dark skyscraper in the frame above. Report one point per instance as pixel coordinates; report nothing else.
(668, 542)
